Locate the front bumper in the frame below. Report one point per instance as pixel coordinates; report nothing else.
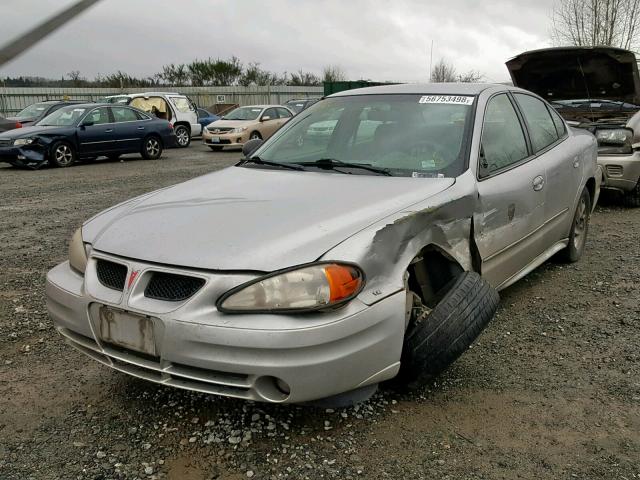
(620, 172)
(22, 156)
(244, 356)
(231, 140)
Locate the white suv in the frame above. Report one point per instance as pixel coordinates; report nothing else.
(174, 107)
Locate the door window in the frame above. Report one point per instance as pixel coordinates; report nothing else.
(182, 104)
(99, 116)
(558, 122)
(541, 127)
(271, 113)
(284, 113)
(503, 140)
(122, 114)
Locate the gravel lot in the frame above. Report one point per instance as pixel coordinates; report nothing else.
(550, 390)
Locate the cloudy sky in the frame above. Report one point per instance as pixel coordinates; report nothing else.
(375, 39)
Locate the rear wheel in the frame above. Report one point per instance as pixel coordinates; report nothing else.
(182, 136)
(632, 198)
(216, 149)
(151, 148)
(62, 155)
(579, 228)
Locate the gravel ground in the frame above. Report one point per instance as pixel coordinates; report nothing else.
(551, 389)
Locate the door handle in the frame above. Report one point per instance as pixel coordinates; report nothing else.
(108, 130)
(538, 183)
(140, 128)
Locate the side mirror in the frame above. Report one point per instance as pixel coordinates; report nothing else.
(251, 146)
(265, 118)
(87, 123)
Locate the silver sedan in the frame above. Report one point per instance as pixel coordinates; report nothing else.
(322, 265)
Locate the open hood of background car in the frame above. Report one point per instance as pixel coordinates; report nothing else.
(253, 219)
(568, 73)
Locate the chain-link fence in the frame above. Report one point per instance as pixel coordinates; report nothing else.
(12, 100)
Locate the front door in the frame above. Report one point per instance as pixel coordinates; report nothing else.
(270, 122)
(96, 133)
(511, 193)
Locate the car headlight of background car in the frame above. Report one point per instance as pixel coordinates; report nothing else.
(23, 141)
(299, 289)
(239, 130)
(78, 252)
(614, 140)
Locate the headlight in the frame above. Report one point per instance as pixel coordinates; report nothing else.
(614, 140)
(307, 288)
(78, 252)
(239, 130)
(23, 141)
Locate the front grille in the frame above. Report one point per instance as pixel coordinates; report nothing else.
(5, 143)
(111, 275)
(172, 288)
(220, 129)
(614, 170)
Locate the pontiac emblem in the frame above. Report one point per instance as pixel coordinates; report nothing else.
(132, 277)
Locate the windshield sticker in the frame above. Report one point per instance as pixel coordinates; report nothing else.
(447, 99)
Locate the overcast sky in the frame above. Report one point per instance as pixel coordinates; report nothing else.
(374, 39)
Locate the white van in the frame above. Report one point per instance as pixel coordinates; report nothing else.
(174, 107)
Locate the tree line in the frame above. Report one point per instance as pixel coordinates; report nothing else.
(198, 73)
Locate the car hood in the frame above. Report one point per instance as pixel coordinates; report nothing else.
(33, 130)
(23, 120)
(569, 73)
(252, 219)
(230, 123)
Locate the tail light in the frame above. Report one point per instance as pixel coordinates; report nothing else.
(18, 125)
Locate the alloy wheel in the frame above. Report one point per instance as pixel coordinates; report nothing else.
(63, 155)
(183, 137)
(580, 227)
(153, 147)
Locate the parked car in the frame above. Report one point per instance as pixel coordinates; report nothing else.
(296, 106)
(307, 271)
(598, 89)
(245, 123)
(37, 111)
(8, 124)
(205, 117)
(173, 107)
(86, 131)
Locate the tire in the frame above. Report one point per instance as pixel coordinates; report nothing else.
(151, 148)
(216, 149)
(632, 199)
(579, 228)
(255, 136)
(62, 155)
(183, 137)
(434, 343)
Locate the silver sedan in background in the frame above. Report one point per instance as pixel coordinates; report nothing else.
(322, 265)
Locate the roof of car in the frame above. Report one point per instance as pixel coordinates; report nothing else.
(422, 88)
(262, 106)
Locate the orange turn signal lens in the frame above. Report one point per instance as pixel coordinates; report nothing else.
(344, 281)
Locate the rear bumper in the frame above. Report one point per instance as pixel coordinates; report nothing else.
(242, 356)
(620, 172)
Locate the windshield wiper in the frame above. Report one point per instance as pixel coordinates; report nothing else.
(259, 161)
(332, 163)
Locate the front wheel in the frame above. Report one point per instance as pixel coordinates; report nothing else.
(255, 136)
(579, 228)
(62, 155)
(183, 137)
(151, 148)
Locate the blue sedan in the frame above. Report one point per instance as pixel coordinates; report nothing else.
(86, 131)
(205, 117)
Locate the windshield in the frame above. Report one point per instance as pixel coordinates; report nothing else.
(66, 116)
(33, 111)
(409, 135)
(244, 113)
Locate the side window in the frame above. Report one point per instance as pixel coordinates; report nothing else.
(561, 128)
(503, 140)
(270, 112)
(122, 114)
(284, 113)
(541, 127)
(99, 116)
(182, 104)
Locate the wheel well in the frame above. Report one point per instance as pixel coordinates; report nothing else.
(154, 135)
(591, 188)
(183, 124)
(255, 131)
(430, 271)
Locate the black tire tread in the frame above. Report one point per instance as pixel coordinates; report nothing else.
(569, 254)
(455, 322)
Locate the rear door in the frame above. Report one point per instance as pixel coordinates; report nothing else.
(99, 137)
(510, 188)
(560, 160)
(129, 129)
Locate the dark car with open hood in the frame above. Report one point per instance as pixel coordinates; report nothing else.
(596, 88)
(86, 131)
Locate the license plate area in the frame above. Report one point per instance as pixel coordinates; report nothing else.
(214, 140)
(127, 330)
